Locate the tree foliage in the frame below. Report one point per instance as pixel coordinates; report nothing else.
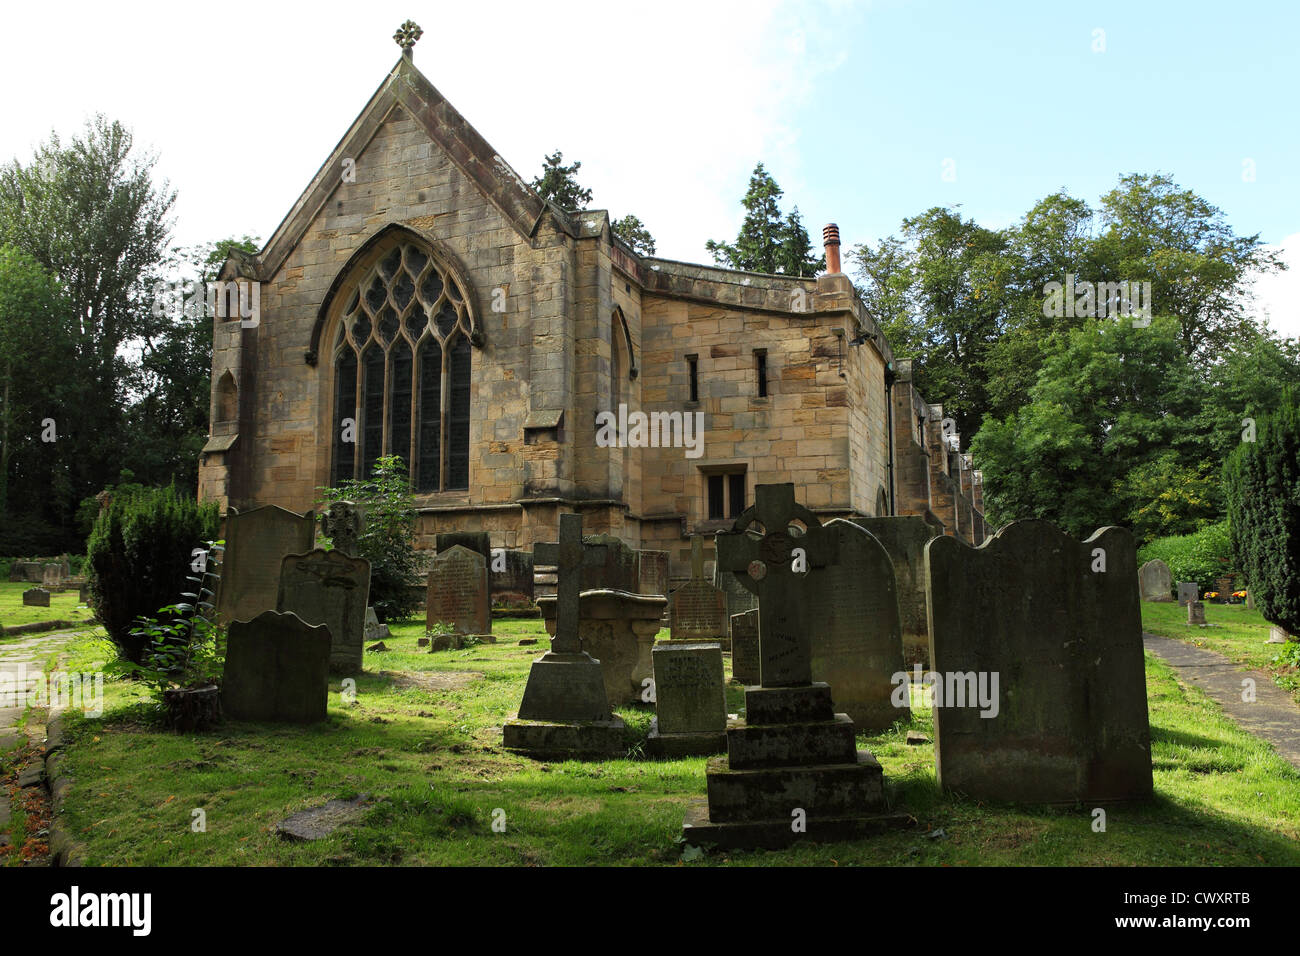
(768, 242)
(559, 183)
(388, 538)
(633, 231)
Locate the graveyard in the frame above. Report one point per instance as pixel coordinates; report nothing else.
(450, 523)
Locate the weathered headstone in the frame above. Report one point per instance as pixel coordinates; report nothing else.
(374, 630)
(36, 597)
(653, 572)
(458, 592)
(690, 700)
(744, 647)
(1187, 592)
(564, 711)
(1277, 635)
(857, 643)
(1036, 641)
(83, 594)
(609, 564)
(330, 588)
(256, 545)
(696, 608)
(1195, 612)
(1155, 582)
(905, 538)
(512, 584)
(477, 541)
(792, 756)
(52, 575)
(343, 523)
(738, 598)
(277, 669)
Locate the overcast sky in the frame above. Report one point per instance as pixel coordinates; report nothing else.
(864, 112)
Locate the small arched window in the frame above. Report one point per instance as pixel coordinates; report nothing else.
(402, 371)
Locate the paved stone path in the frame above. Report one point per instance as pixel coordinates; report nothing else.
(1272, 716)
(21, 664)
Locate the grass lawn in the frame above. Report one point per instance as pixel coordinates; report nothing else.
(424, 737)
(1235, 632)
(64, 606)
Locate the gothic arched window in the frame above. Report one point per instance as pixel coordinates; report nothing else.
(402, 371)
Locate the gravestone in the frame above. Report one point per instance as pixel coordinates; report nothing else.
(256, 545)
(857, 641)
(1155, 582)
(51, 575)
(36, 597)
(277, 669)
(1037, 646)
(653, 572)
(83, 594)
(792, 755)
(738, 599)
(1187, 592)
(1277, 635)
(690, 701)
(33, 572)
(343, 523)
(374, 630)
(513, 586)
(330, 588)
(1195, 613)
(477, 541)
(564, 711)
(744, 647)
(905, 538)
(697, 608)
(458, 592)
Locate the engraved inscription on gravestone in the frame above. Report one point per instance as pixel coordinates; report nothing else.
(458, 592)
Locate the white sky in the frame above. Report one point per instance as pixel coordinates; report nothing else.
(668, 105)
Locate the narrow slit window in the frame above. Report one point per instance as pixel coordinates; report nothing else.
(693, 364)
(735, 495)
(717, 506)
(760, 362)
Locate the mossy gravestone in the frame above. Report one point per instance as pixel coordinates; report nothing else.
(690, 700)
(458, 592)
(905, 538)
(36, 597)
(277, 669)
(857, 643)
(697, 608)
(256, 544)
(1155, 582)
(330, 588)
(744, 647)
(1036, 642)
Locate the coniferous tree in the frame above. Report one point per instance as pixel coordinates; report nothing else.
(1262, 477)
(768, 241)
(559, 183)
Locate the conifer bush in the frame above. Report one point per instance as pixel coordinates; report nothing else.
(1262, 480)
(138, 556)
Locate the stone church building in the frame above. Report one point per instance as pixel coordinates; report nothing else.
(419, 299)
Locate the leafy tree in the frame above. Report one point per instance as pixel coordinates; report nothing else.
(35, 349)
(1154, 230)
(1263, 488)
(387, 539)
(90, 213)
(170, 386)
(559, 183)
(632, 231)
(768, 242)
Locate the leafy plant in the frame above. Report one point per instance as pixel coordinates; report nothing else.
(386, 539)
(1203, 556)
(179, 653)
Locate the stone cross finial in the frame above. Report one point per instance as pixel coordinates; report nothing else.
(342, 523)
(697, 557)
(406, 36)
(766, 566)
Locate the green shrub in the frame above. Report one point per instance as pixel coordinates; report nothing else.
(388, 537)
(139, 556)
(1262, 478)
(1203, 556)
